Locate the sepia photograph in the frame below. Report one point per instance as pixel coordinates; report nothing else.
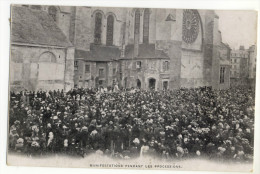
(132, 88)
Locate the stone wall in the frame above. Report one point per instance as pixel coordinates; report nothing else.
(174, 51)
(150, 68)
(85, 25)
(31, 70)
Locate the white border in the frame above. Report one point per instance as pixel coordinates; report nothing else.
(4, 71)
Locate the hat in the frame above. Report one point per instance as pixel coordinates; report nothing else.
(180, 149)
(198, 152)
(17, 122)
(35, 144)
(136, 141)
(99, 152)
(94, 132)
(20, 141)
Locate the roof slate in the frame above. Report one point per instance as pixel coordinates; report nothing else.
(29, 26)
(99, 53)
(146, 51)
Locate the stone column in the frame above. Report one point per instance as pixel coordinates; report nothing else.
(69, 69)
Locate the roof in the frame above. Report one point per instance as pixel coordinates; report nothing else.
(252, 48)
(99, 53)
(29, 26)
(146, 51)
(225, 45)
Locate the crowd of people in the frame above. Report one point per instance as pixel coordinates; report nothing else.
(125, 124)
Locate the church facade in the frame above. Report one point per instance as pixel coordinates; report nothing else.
(141, 47)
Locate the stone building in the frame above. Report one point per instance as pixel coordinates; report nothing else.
(41, 55)
(252, 65)
(224, 66)
(139, 47)
(148, 48)
(239, 66)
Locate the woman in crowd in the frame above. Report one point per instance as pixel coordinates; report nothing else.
(126, 124)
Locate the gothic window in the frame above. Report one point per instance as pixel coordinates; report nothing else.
(98, 24)
(190, 26)
(222, 74)
(146, 26)
(137, 21)
(110, 29)
(53, 12)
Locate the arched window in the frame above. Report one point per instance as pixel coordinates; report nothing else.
(137, 21)
(146, 26)
(53, 12)
(110, 29)
(98, 24)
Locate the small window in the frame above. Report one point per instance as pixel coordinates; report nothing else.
(165, 66)
(138, 65)
(87, 68)
(101, 82)
(76, 65)
(235, 60)
(101, 72)
(114, 71)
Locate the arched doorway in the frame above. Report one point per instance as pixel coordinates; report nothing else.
(152, 83)
(47, 66)
(49, 71)
(138, 83)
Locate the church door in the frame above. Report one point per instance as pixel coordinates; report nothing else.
(152, 83)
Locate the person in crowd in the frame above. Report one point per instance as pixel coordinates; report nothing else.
(125, 124)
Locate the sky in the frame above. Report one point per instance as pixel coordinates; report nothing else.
(238, 27)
